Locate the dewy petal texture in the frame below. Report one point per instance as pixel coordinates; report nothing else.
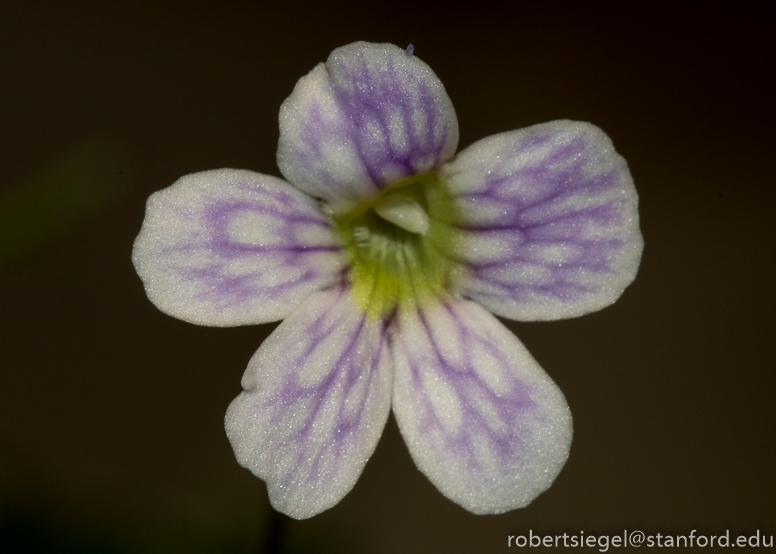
(232, 247)
(368, 117)
(549, 225)
(317, 397)
(482, 420)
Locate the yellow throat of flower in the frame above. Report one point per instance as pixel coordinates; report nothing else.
(400, 245)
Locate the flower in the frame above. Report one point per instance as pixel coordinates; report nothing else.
(384, 253)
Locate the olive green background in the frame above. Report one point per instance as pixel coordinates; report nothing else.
(111, 436)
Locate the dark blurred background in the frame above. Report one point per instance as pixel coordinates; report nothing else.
(111, 436)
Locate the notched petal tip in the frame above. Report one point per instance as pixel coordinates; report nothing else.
(317, 398)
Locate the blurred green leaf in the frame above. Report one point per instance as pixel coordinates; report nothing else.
(45, 205)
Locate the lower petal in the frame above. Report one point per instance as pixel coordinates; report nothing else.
(317, 396)
(481, 419)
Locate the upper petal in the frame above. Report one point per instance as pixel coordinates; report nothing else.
(481, 419)
(317, 397)
(370, 116)
(549, 225)
(233, 247)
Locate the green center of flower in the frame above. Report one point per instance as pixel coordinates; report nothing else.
(400, 245)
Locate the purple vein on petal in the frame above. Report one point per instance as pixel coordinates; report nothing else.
(232, 247)
(289, 251)
(480, 417)
(365, 101)
(468, 383)
(549, 213)
(369, 117)
(317, 396)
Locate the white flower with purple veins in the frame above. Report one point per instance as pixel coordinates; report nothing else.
(384, 254)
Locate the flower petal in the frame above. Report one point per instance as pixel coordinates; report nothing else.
(317, 397)
(550, 226)
(232, 247)
(482, 420)
(370, 116)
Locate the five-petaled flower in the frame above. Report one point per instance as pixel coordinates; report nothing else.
(384, 253)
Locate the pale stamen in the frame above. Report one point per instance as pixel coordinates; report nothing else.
(404, 212)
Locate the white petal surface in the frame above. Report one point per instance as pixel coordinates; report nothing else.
(233, 247)
(550, 225)
(481, 419)
(368, 117)
(317, 396)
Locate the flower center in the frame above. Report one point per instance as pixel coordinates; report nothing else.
(400, 246)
